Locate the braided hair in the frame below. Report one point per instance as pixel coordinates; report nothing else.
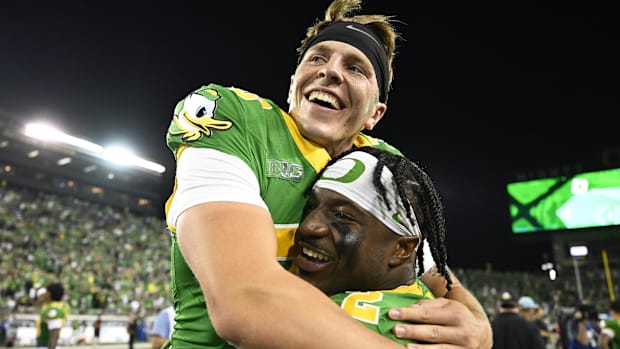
(416, 190)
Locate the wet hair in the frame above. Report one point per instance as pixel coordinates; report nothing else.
(345, 11)
(56, 291)
(416, 190)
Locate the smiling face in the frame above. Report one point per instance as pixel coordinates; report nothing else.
(345, 248)
(334, 95)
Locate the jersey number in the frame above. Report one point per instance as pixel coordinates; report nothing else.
(358, 305)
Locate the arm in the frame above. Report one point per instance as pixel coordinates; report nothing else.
(160, 334)
(157, 341)
(605, 337)
(53, 338)
(582, 333)
(546, 333)
(456, 317)
(253, 301)
(603, 341)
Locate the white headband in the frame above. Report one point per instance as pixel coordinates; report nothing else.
(352, 177)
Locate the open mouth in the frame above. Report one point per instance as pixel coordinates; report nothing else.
(311, 260)
(325, 100)
(314, 255)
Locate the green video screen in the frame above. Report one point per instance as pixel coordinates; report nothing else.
(585, 200)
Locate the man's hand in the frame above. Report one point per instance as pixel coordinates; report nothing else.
(443, 321)
(456, 320)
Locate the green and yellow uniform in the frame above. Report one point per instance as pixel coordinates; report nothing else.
(266, 138)
(53, 316)
(371, 307)
(611, 327)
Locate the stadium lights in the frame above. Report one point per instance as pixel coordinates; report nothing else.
(49, 133)
(579, 251)
(113, 154)
(125, 157)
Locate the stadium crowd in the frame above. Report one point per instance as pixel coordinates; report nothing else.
(114, 261)
(107, 258)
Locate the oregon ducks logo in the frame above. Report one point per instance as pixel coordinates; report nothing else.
(356, 170)
(196, 116)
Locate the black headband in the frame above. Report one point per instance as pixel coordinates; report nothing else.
(363, 39)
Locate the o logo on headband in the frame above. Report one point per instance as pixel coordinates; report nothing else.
(357, 169)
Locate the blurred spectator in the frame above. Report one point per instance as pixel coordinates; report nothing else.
(96, 330)
(511, 330)
(527, 307)
(4, 329)
(162, 327)
(132, 328)
(583, 329)
(610, 328)
(549, 337)
(81, 333)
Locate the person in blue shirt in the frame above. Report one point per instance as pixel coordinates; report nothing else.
(162, 327)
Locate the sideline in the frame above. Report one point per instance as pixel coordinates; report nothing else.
(136, 345)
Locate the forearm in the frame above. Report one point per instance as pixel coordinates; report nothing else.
(603, 342)
(438, 285)
(582, 334)
(289, 313)
(157, 341)
(462, 295)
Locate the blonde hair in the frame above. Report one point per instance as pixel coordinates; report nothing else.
(345, 11)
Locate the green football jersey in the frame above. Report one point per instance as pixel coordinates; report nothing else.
(371, 307)
(266, 138)
(53, 311)
(611, 326)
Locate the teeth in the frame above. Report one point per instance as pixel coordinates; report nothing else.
(314, 254)
(325, 98)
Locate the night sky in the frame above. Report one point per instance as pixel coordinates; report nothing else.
(483, 93)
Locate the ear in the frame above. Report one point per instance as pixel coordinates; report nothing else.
(405, 250)
(373, 120)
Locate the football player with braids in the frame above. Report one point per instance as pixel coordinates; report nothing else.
(243, 164)
(367, 218)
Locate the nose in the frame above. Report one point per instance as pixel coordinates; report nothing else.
(332, 71)
(313, 226)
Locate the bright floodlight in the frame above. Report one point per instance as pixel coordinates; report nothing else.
(125, 157)
(579, 251)
(49, 133)
(117, 155)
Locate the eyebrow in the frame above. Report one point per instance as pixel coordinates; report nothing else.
(348, 203)
(323, 47)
